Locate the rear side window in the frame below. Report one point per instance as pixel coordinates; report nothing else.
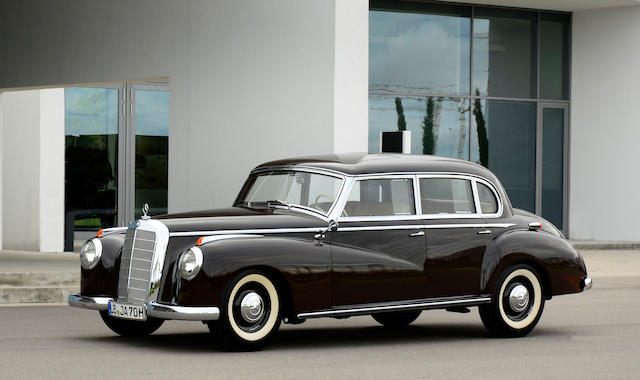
(488, 201)
(446, 196)
(381, 197)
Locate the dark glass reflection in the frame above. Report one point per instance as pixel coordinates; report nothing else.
(553, 165)
(152, 147)
(504, 52)
(438, 125)
(554, 55)
(419, 52)
(91, 160)
(510, 146)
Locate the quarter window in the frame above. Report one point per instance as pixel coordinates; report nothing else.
(446, 196)
(488, 201)
(381, 197)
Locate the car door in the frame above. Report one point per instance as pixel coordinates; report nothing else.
(378, 250)
(457, 235)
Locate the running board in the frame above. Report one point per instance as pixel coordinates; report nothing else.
(422, 304)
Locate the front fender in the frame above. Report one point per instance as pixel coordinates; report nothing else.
(102, 280)
(561, 266)
(299, 265)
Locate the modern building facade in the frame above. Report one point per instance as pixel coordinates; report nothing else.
(107, 106)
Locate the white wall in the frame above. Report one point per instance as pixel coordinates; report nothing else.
(250, 80)
(604, 201)
(33, 170)
(1, 170)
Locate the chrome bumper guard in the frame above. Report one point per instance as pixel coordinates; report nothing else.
(154, 309)
(586, 283)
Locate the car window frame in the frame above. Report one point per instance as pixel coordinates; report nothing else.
(476, 198)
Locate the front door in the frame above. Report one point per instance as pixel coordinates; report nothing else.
(378, 251)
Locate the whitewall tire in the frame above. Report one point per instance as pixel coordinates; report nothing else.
(249, 312)
(517, 304)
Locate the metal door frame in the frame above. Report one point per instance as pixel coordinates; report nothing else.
(565, 169)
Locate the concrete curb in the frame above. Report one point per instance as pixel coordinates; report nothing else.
(605, 245)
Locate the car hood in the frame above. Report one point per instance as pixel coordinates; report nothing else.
(237, 218)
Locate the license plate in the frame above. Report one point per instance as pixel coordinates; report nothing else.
(127, 311)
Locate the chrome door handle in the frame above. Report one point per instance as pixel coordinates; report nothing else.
(485, 232)
(419, 233)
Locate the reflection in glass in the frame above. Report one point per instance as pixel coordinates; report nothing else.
(419, 52)
(552, 165)
(510, 144)
(504, 52)
(91, 159)
(554, 55)
(445, 119)
(152, 146)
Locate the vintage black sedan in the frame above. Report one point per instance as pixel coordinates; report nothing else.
(334, 236)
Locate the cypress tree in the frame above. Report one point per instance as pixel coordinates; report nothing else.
(481, 129)
(402, 124)
(428, 137)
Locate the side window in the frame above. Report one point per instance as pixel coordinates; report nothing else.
(381, 197)
(446, 196)
(488, 201)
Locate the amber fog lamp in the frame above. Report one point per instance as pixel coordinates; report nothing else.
(90, 253)
(190, 263)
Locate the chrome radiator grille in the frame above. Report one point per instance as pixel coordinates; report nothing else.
(136, 265)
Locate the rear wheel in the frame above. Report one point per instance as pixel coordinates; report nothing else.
(397, 319)
(249, 312)
(517, 305)
(126, 327)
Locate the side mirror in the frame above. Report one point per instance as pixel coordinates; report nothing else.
(333, 225)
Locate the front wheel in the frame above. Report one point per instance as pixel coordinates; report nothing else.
(396, 319)
(126, 327)
(249, 312)
(517, 304)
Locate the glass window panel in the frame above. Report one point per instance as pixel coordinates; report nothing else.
(419, 48)
(554, 55)
(381, 197)
(503, 138)
(488, 201)
(446, 196)
(91, 159)
(438, 125)
(504, 53)
(152, 146)
(553, 165)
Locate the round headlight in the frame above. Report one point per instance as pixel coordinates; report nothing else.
(90, 253)
(190, 263)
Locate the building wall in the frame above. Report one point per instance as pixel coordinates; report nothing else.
(1, 167)
(604, 175)
(250, 80)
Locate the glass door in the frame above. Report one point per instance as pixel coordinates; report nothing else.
(552, 163)
(116, 156)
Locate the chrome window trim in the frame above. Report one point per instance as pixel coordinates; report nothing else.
(381, 218)
(473, 181)
(305, 169)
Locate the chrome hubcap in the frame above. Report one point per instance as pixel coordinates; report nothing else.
(519, 298)
(251, 307)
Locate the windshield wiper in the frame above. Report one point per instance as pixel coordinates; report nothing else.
(267, 204)
(278, 204)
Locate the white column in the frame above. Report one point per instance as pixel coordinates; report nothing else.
(33, 170)
(1, 150)
(351, 76)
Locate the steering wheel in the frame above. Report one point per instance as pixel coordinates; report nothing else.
(315, 202)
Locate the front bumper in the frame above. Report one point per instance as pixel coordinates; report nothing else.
(586, 283)
(154, 309)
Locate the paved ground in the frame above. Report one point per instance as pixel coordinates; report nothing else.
(591, 335)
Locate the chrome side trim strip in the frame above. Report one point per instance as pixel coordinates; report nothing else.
(93, 303)
(212, 238)
(484, 225)
(423, 305)
(251, 232)
(183, 313)
(113, 230)
(383, 228)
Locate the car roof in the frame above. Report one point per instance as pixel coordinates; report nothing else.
(363, 164)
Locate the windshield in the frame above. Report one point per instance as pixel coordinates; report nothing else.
(292, 188)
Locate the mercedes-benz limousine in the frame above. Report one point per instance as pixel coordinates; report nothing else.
(334, 236)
